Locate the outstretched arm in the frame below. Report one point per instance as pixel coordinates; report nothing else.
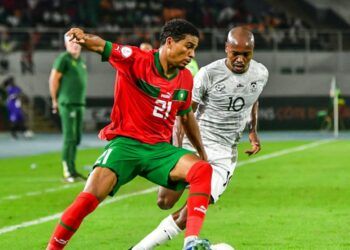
(253, 134)
(91, 42)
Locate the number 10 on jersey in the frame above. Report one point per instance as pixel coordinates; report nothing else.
(162, 109)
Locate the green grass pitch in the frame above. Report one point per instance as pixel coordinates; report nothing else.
(298, 200)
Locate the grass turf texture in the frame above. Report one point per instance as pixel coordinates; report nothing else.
(295, 201)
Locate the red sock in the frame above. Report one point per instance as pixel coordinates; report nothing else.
(71, 219)
(199, 178)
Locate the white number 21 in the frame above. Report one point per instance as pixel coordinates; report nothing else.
(162, 109)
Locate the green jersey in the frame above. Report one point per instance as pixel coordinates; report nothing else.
(73, 83)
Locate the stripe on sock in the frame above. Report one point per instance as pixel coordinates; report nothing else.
(67, 227)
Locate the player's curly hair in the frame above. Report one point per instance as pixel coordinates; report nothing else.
(177, 29)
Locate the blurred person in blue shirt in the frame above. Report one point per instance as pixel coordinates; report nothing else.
(16, 115)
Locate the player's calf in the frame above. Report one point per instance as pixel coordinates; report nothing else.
(167, 198)
(71, 219)
(98, 186)
(199, 178)
(180, 217)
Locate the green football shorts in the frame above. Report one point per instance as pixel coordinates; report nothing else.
(128, 158)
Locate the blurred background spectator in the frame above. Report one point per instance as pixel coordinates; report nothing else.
(16, 114)
(6, 47)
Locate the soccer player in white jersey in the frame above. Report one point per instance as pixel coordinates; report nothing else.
(225, 98)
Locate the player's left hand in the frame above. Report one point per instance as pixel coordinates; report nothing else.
(255, 142)
(76, 35)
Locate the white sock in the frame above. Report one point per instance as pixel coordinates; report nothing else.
(166, 230)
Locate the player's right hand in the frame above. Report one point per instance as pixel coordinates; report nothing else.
(254, 150)
(255, 143)
(54, 109)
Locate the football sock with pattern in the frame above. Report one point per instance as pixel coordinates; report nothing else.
(199, 178)
(71, 219)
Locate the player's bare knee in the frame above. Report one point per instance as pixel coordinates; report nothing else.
(165, 203)
(167, 198)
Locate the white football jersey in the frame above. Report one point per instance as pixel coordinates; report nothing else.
(226, 100)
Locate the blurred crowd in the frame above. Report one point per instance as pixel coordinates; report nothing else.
(114, 15)
(137, 21)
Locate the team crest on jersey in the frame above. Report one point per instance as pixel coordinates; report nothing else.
(253, 87)
(126, 51)
(219, 87)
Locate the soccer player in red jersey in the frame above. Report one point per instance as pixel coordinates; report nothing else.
(152, 87)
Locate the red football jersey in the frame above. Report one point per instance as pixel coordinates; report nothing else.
(145, 101)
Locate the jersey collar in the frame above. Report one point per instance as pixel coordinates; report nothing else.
(160, 69)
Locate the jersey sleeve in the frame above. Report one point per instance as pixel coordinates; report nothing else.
(119, 56)
(201, 81)
(60, 63)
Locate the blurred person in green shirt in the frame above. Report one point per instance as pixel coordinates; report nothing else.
(68, 80)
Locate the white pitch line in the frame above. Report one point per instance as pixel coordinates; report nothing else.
(284, 152)
(58, 215)
(122, 197)
(36, 193)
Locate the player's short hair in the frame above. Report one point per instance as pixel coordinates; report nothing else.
(177, 29)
